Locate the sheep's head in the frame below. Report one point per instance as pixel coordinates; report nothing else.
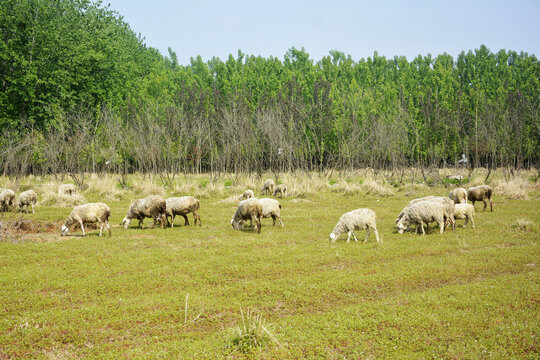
(333, 237)
(402, 225)
(65, 229)
(126, 222)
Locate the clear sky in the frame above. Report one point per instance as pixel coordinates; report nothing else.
(358, 28)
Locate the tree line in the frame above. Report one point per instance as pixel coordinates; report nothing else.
(80, 91)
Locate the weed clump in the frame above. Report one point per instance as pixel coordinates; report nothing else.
(253, 333)
(524, 225)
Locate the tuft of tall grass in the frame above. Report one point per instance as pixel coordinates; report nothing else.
(524, 225)
(516, 188)
(253, 333)
(50, 196)
(106, 187)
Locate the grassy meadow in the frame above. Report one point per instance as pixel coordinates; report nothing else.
(211, 292)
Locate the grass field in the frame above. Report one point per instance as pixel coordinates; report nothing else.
(182, 292)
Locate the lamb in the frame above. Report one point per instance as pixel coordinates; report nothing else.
(247, 195)
(458, 195)
(481, 193)
(7, 199)
(281, 189)
(152, 206)
(250, 209)
(271, 208)
(27, 198)
(423, 212)
(88, 214)
(182, 206)
(465, 211)
(67, 189)
(358, 219)
(268, 187)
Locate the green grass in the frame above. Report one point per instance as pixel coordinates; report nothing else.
(472, 294)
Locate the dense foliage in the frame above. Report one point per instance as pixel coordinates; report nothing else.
(79, 89)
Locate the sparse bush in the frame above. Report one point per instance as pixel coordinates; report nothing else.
(253, 333)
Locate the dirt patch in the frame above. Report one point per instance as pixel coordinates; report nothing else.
(23, 226)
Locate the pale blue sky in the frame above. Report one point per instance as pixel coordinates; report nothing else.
(219, 28)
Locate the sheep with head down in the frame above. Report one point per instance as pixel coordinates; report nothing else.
(268, 187)
(27, 198)
(7, 199)
(458, 195)
(182, 206)
(423, 212)
(465, 211)
(358, 219)
(88, 214)
(152, 206)
(281, 189)
(248, 194)
(250, 209)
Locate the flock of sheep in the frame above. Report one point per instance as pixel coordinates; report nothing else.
(419, 212)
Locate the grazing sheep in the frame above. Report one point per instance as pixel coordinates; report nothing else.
(7, 199)
(88, 214)
(446, 202)
(250, 209)
(481, 193)
(423, 212)
(358, 219)
(182, 206)
(281, 189)
(413, 201)
(67, 189)
(248, 194)
(268, 187)
(27, 198)
(465, 211)
(271, 208)
(152, 206)
(458, 195)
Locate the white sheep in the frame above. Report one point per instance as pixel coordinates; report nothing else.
(465, 211)
(182, 206)
(413, 201)
(448, 206)
(358, 219)
(67, 189)
(27, 198)
(268, 187)
(88, 214)
(7, 199)
(458, 195)
(423, 212)
(248, 194)
(281, 189)
(481, 193)
(152, 206)
(271, 208)
(250, 209)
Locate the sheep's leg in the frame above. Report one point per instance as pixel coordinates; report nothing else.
(491, 204)
(466, 221)
(422, 228)
(281, 221)
(82, 227)
(367, 233)
(472, 222)
(485, 204)
(258, 223)
(186, 222)
(376, 233)
(171, 224)
(108, 227)
(163, 220)
(196, 218)
(441, 227)
(33, 212)
(274, 219)
(101, 228)
(349, 236)
(354, 235)
(141, 223)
